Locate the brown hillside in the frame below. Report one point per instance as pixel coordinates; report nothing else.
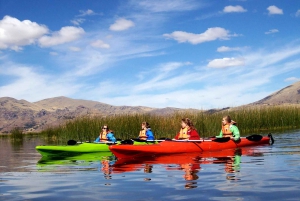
(54, 111)
(287, 95)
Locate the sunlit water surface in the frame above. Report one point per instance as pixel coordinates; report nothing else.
(257, 173)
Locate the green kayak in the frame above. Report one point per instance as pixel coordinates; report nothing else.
(77, 149)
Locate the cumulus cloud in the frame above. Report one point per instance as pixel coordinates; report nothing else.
(297, 13)
(234, 9)
(230, 49)
(292, 79)
(272, 31)
(64, 35)
(226, 62)
(100, 44)
(74, 49)
(210, 34)
(15, 33)
(274, 10)
(121, 24)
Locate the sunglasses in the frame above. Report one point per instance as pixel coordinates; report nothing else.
(104, 128)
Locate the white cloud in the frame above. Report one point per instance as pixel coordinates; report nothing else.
(32, 85)
(77, 21)
(64, 35)
(100, 44)
(15, 33)
(53, 53)
(292, 79)
(210, 34)
(274, 10)
(297, 13)
(226, 62)
(121, 24)
(166, 5)
(272, 31)
(75, 49)
(86, 12)
(234, 9)
(230, 49)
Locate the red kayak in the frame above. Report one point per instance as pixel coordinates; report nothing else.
(178, 146)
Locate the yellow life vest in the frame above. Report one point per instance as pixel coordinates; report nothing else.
(103, 136)
(226, 130)
(142, 135)
(183, 134)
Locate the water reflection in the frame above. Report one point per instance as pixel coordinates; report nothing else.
(102, 162)
(189, 164)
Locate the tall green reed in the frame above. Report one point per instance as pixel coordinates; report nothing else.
(250, 120)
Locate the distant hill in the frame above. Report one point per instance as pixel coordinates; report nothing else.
(287, 95)
(50, 112)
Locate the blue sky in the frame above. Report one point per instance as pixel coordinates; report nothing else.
(158, 53)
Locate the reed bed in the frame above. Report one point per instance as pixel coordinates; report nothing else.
(16, 134)
(249, 121)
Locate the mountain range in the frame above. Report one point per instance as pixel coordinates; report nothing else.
(36, 116)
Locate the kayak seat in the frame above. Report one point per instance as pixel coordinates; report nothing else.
(129, 141)
(254, 138)
(72, 142)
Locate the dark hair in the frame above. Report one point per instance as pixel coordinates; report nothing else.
(189, 123)
(146, 124)
(227, 118)
(106, 127)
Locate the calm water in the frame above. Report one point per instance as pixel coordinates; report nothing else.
(257, 173)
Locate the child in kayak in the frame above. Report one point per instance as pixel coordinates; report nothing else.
(187, 131)
(229, 129)
(106, 135)
(146, 133)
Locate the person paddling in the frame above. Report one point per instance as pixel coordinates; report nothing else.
(229, 129)
(187, 131)
(106, 135)
(146, 132)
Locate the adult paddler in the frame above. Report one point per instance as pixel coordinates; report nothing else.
(229, 129)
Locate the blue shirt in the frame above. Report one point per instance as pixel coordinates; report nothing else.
(149, 134)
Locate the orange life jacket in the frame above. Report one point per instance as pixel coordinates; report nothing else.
(226, 130)
(142, 135)
(183, 133)
(103, 136)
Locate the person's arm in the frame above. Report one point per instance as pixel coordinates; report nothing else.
(149, 135)
(220, 135)
(235, 131)
(177, 136)
(194, 135)
(111, 137)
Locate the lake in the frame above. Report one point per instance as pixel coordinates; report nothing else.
(255, 173)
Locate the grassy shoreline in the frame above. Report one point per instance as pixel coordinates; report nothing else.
(250, 120)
